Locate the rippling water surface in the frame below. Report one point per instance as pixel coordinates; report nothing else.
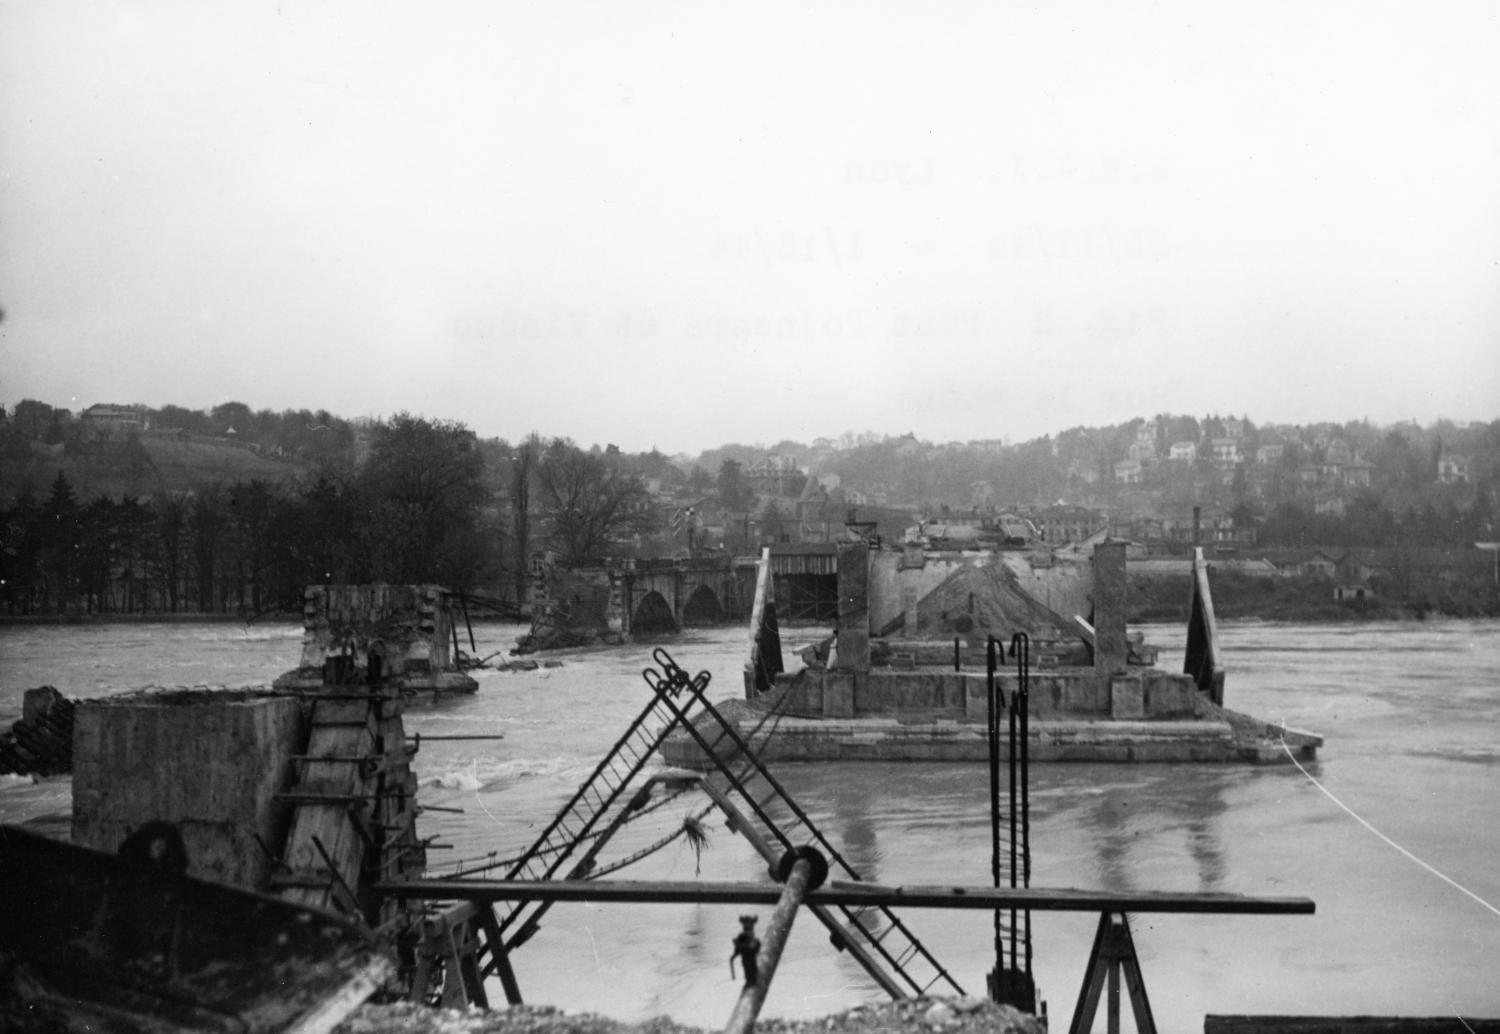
(1410, 712)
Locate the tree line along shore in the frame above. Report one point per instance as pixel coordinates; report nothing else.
(131, 511)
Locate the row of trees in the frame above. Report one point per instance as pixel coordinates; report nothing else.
(1367, 522)
(424, 507)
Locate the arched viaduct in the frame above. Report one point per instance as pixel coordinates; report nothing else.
(647, 596)
(640, 597)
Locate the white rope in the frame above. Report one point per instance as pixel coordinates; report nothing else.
(1350, 811)
(480, 800)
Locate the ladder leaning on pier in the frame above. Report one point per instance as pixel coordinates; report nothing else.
(465, 942)
(475, 942)
(579, 820)
(874, 935)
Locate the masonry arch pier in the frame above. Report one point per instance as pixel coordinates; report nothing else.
(693, 591)
(703, 607)
(619, 599)
(653, 615)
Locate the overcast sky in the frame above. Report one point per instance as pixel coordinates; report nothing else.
(677, 225)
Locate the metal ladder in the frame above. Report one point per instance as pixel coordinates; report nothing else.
(912, 968)
(579, 817)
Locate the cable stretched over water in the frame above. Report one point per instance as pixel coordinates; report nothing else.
(1357, 818)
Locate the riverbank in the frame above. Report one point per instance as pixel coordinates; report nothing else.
(1305, 600)
(268, 618)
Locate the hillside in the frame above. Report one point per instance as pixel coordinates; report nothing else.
(138, 467)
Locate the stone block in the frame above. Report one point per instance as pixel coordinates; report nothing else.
(1170, 696)
(1127, 697)
(1084, 695)
(838, 694)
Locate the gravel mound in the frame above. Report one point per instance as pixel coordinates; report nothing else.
(910, 1016)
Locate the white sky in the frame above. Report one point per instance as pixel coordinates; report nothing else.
(678, 225)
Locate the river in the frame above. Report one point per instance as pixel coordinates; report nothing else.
(1398, 848)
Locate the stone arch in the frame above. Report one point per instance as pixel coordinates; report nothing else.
(703, 607)
(652, 614)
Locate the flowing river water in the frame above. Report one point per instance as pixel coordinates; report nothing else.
(1399, 847)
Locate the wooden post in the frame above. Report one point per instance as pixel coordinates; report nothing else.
(764, 662)
(742, 1020)
(1201, 658)
(1113, 951)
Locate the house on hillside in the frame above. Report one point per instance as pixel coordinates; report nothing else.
(1183, 452)
(821, 513)
(1213, 527)
(1226, 451)
(1356, 473)
(1128, 472)
(1062, 524)
(105, 421)
(775, 474)
(1453, 469)
(1270, 453)
(1303, 563)
(1086, 472)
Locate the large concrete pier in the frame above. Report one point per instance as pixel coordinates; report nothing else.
(405, 633)
(904, 675)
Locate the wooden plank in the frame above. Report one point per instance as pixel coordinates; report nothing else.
(837, 893)
(324, 814)
(757, 614)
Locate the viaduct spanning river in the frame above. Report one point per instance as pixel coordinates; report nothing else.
(1411, 713)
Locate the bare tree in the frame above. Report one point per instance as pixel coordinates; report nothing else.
(590, 507)
(523, 470)
(423, 489)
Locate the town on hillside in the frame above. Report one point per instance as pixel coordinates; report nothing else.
(122, 508)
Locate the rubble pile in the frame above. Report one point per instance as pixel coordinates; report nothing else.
(924, 1015)
(41, 743)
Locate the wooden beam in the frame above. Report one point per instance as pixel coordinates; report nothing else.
(838, 893)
